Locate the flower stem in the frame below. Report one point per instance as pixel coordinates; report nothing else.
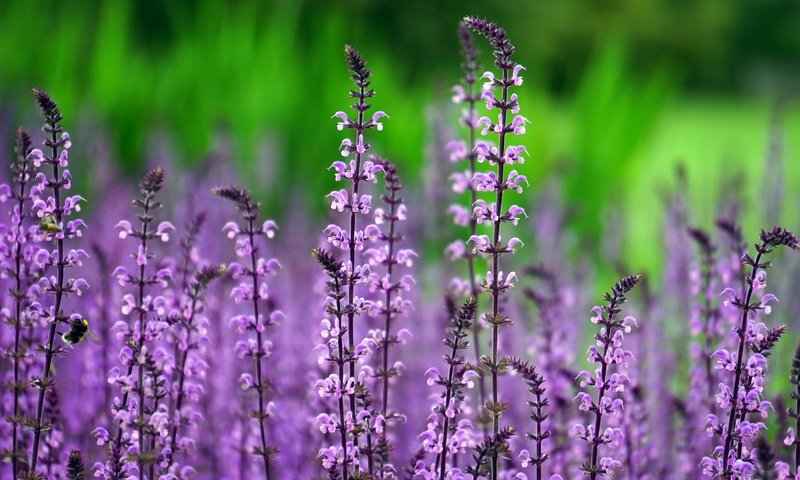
(44, 381)
(739, 360)
(598, 416)
(23, 173)
(495, 286)
(260, 355)
(451, 372)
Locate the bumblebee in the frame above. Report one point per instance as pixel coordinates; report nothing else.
(49, 224)
(78, 329)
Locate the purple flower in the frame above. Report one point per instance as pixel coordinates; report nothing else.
(494, 213)
(444, 435)
(140, 410)
(610, 357)
(54, 227)
(16, 260)
(744, 400)
(355, 237)
(538, 403)
(190, 341)
(253, 271)
(389, 255)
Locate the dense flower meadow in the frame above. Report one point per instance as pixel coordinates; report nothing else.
(174, 332)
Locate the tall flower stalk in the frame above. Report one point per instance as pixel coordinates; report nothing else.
(333, 331)
(538, 405)
(731, 459)
(357, 171)
(389, 255)
(460, 150)
(609, 355)
(253, 272)
(445, 434)
(554, 359)
(18, 269)
(139, 356)
(55, 228)
(191, 337)
(497, 94)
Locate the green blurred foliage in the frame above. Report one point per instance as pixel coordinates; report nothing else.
(618, 91)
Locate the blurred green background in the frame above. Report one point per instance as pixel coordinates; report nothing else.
(620, 92)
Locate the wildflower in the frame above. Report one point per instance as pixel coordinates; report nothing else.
(538, 404)
(252, 272)
(135, 441)
(605, 380)
(16, 262)
(389, 255)
(437, 439)
(56, 228)
(494, 213)
(744, 399)
(354, 238)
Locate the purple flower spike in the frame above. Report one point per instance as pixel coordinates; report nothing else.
(353, 238)
(253, 271)
(190, 339)
(706, 325)
(446, 435)
(140, 413)
(607, 380)
(784, 469)
(502, 99)
(538, 404)
(16, 261)
(388, 255)
(54, 227)
(336, 386)
(468, 180)
(743, 403)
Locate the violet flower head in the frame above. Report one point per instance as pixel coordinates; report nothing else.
(335, 386)
(353, 239)
(16, 255)
(388, 256)
(497, 93)
(464, 151)
(56, 228)
(741, 399)
(538, 414)
(609, 356)
(253, 272)
(446, 434)
(139, 412)
(190, 365)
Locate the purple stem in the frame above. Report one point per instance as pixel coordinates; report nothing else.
(598, 417)
(44, 381)
(18, 295)
(260, 354)
(738, 372)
